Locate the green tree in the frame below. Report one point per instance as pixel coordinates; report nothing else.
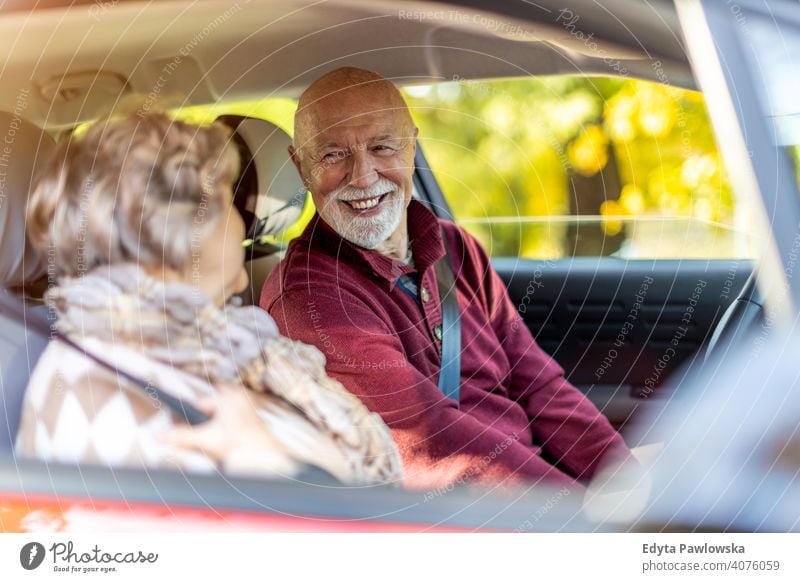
(506, 153)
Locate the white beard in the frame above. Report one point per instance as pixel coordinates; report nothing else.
(366, 232)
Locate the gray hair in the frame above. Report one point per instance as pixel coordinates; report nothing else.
(142, 189)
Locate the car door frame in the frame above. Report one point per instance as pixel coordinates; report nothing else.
(761, 174)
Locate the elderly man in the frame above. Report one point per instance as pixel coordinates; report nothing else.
(360, 285)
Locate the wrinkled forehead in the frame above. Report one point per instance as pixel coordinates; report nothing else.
(357, 129)
(352, 114)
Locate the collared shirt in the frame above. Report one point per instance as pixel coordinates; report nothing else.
(518, 418)
(409, 282)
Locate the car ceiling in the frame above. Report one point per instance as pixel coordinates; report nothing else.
(69, 62)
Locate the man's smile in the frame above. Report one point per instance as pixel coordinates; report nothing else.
(364, 204)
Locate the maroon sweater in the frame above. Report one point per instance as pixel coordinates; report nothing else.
(518, 419)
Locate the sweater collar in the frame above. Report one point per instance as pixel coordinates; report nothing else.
(423, 232)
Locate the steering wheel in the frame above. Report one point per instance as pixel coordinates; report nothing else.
(742, 315)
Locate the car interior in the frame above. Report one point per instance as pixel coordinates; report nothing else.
(184, 53)
(269, 193)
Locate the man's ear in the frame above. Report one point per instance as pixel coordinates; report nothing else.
(295, 156)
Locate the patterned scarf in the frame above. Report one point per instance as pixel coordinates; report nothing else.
(176, 324)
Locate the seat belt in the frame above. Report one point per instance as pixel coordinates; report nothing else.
(13, 308)
(450, 370)
(40, 325)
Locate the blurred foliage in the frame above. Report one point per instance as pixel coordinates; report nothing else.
(510, 155)
(505, 153)
(277, 110)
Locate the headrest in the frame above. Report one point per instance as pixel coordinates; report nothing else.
(269, 193)
(24, 148)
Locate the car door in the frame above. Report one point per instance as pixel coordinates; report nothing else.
(636, 285)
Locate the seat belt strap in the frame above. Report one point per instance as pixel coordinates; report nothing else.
(450, 370)
(40, 325)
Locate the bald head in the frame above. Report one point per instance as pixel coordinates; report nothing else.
(347, 95)
(354, 146)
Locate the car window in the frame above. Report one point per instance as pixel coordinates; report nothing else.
(574, 166)
(277, 110)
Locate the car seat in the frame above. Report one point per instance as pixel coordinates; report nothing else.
(24, 149)
(269, 193)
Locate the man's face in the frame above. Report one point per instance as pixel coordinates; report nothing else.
(358, 163)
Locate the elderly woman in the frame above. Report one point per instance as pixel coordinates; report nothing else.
(138, 220)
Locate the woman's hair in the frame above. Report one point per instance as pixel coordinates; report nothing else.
(145, 189)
